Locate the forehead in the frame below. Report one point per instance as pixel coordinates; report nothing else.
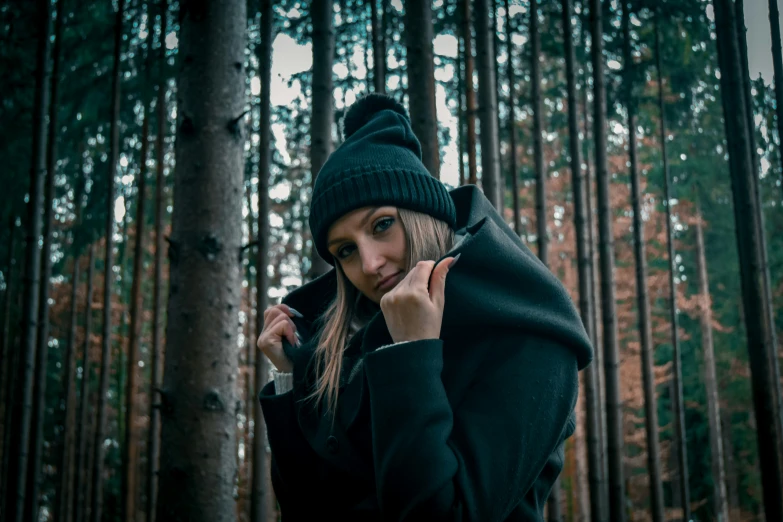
(357, 219)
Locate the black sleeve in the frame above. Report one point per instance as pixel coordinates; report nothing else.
(476, 462)
(295, 467)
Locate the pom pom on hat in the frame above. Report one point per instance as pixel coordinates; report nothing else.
(362, 111)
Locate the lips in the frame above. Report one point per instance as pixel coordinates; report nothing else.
(388, 281)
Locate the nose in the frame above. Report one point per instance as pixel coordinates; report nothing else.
(372, 259)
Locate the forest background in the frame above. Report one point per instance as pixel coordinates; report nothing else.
(645, 171)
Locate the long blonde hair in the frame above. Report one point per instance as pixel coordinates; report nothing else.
(426, 238)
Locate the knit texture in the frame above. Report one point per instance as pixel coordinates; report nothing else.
(379, 163)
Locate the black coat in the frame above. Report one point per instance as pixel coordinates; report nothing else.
(470, 426)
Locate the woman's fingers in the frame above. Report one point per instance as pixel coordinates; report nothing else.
(283, 326)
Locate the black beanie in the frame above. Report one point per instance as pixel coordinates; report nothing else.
(379, 163)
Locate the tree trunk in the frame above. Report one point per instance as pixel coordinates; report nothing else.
(761, 354)
(198, 439)
(614, 404)
(585, 268)
(470, 93)
(262, 496)
(680, 437)
(421, 81)
(538, 128)
(156, 376)
(108, 276)
(459, 78)
(764, 268)
(488, 106)
(322, 103)
(378, 51)
(23, 403)
(512, 125)
(130, 449)
(81, 475)
(642, 294)
(597, 338)
(65, 468)
(719, 504)
(732, 487)
(777, 61)
(10, 356)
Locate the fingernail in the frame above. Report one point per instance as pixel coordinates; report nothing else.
(454, 261)
(295, 312)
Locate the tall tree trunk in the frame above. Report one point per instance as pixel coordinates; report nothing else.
(761, 353)
(42, 338)
(156, 377)
(585, 268)
(132, 439)
(777, 62)
(595, 266)
(680, 437)
(512, 124)
(459, 78)
(538, 128)
(488, 105)
(262, 496)
(470, 93)
(108, 276)
(421, 81)
(23, 405)
(642, 294)
(10, 356)
(198, 439)
(81, 476)
(719, 503)
(768, 306)
(614, 404)
(378, 50)
(65, 468)
(322, 103)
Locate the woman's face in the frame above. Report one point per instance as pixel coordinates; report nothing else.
(369, 243)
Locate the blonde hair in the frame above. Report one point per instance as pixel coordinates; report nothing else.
(426, 238)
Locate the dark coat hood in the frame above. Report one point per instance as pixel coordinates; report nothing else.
(498, 283)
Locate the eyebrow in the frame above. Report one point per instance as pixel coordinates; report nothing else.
(366, 218)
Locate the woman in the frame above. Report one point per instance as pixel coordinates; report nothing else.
(407, 385)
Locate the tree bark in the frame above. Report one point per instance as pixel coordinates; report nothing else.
(777, 62)
(460, 86)
(719, 503)
(512, 124)
(585, 269)
(761, 354)
(421, 81)
(614, 404)
(538, 128)
(378, 51)
(23, 403)
(323, 102)
(130, 455)
(262, 496)
(470, 93)
(642, 294)
(198, 439)
(488, 106)
(81, 475)
(108, 276)
(156, 375)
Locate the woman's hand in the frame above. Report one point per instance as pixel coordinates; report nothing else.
(413, 311)
(278, 324)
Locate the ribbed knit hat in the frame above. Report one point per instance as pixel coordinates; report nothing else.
(379, 163)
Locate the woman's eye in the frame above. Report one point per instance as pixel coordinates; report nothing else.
(344, 252)
(383, 224)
